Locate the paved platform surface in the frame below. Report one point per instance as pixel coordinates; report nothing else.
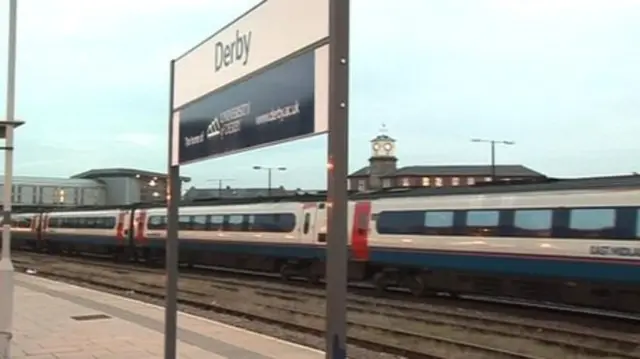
(44, 329)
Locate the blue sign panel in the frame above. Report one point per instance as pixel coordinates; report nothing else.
(270, 107)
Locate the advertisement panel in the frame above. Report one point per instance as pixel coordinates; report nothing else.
(272, 30)
(273, 106)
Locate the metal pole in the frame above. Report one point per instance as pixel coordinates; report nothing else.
(269, 181)
(219, 188)
(493, 161)
(171, 247)
(337, 251)
(6, 266)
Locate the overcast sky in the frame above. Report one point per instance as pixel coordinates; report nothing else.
(561, 78)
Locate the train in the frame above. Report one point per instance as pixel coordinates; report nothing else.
(568, 241)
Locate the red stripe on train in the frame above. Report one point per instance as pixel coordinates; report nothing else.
(120, 226)
(141, 219)
(360, 230)
(308, 205)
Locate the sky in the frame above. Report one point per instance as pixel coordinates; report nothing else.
(561, 78)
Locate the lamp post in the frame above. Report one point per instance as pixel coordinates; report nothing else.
(220, 182)
(6, 132)
(269, 171)
(493, 152)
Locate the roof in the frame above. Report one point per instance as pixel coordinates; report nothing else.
(529, 185)
(461, 170)
(52, 181)
(202, 193)
(122, 172)
(383, 138)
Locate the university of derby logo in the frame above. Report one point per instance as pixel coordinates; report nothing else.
(214, 129)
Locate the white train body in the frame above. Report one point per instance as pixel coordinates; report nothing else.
(568, 244)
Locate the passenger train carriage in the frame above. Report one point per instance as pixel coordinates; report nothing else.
(571, 241)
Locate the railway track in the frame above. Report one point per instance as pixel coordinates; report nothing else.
(269, 280)
(420, 325)
(314, 323)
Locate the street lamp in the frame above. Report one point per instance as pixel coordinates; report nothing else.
(269, 170)
(493, 152)
(220, 181)
(6, 131)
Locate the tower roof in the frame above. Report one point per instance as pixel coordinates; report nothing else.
(383, 137)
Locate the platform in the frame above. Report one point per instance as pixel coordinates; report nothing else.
(107, 326)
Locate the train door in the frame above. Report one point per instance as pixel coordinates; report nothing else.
(310, 228)
(140, 225)
(43, 225)
(360, 230)
(121, 227)
(130, 228)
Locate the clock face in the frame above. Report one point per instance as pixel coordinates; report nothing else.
(387, 147)
(376, 146)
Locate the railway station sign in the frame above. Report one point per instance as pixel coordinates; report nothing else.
(261, 80)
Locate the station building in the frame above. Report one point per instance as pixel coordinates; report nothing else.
(97, 187)
(383, 171)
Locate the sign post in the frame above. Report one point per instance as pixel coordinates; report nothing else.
(263, 80)
(173, 197)
(337, 250)
(7, 128)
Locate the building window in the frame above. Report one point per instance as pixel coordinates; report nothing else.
(60, 195)
(18, 194)
(426, 181)
(406, 182)
(348, 187)
(455, 181)
(362, 185)
(387, 183)
(488, 179)
(471, 181)
(438, 181)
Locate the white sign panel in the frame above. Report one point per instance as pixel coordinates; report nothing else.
(273, 30)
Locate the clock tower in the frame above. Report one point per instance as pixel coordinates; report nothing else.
(383, 159)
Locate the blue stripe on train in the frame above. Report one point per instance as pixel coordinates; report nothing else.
(536, 266)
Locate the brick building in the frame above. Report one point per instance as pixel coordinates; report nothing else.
(383, 172)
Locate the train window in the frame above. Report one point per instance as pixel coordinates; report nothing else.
(54, 222)
(66, 223)
(157, 222)
(482, 222)
(184, 223)
(234, 223)
(400, 222)
(307, 223)
(286, 222)
(438, 222)
(91, 223)
(592, 222)
(110, 222)
(272, 222)
(21, 222)
(638, 224)
(264, 223)
(216, 222)
(532, 222)
(199, 223)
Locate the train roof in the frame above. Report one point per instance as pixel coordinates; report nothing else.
(498, 187)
